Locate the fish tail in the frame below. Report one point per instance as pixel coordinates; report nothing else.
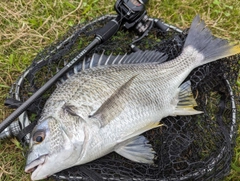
(209, 48)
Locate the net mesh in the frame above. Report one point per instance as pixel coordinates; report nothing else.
(198, 147)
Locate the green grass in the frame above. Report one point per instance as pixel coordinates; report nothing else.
(27, 26)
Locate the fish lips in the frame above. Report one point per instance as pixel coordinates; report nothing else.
(35, 166)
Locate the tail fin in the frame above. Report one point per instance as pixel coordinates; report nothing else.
(210, 47)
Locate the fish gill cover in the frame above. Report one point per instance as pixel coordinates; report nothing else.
(198, 147)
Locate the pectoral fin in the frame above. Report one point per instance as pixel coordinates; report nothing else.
(136, 149)
(114, 105)
(186, 101)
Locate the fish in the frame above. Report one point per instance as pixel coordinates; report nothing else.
(107, 102)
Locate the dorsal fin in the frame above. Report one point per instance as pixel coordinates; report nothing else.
(97, 60)
(100, 59)
(120, 61)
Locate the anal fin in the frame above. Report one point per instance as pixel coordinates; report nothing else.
(136, 149)
(186, 101)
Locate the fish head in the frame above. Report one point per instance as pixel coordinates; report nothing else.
(52, 148)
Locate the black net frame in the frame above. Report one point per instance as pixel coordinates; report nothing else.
(196, 147)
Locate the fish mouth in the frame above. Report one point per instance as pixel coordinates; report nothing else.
(31, 167)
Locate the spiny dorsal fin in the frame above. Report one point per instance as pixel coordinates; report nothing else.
(120, 61)
(133, 58)
(100, 59)
(114, 105)
(83, 64)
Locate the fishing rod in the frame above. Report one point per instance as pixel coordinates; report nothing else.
(130, 12)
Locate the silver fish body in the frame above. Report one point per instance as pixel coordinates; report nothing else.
(105, 108)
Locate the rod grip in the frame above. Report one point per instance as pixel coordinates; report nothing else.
(108, 30)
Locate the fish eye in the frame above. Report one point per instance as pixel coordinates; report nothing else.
(39, 136)
(39, 139)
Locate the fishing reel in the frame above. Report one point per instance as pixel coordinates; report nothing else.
(134, 14)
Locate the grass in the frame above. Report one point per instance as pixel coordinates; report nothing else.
(27, 26)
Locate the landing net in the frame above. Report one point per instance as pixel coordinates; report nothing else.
(198, 147)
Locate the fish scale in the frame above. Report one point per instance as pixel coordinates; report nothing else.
(148, 101)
